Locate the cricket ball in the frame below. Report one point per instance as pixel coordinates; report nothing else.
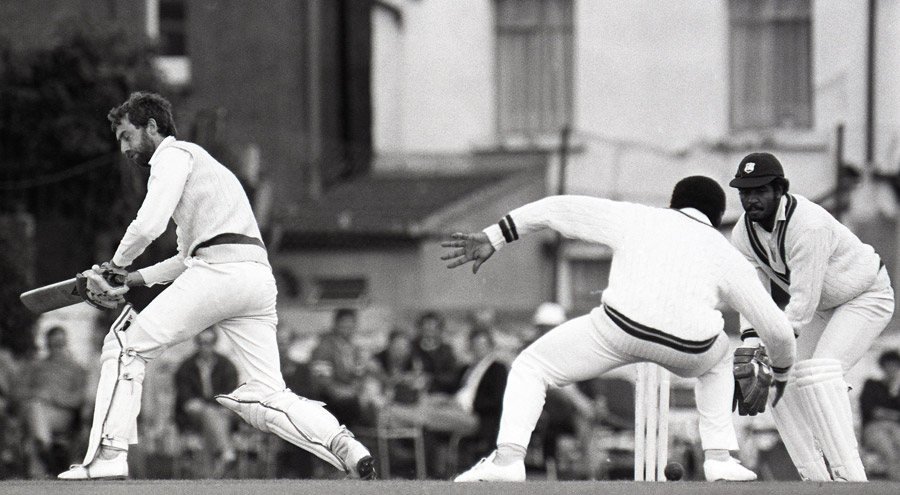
(674, 471)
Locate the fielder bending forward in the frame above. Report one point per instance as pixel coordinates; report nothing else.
(220, 277)
(670, 270)
(840, 301)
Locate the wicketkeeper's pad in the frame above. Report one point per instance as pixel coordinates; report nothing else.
(752, 378)
(825, 395)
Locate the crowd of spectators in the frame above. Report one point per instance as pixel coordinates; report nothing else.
(880, 412)
(44, 403)
(447, 384)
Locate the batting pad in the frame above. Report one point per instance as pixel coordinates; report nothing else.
(300, 421)
(118, 400)
(793, 426)
(824, 393)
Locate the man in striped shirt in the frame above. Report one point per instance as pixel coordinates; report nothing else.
(220, 277)
(837, 295)
(671, 270)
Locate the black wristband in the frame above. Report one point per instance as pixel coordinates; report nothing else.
(781, 370)
(508, 228)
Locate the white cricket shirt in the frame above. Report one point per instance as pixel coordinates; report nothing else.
(671, 270)
(203, 198)
(823, 266)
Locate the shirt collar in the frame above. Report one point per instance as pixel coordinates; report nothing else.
(696, 215)
(165, 143)
(781, 214)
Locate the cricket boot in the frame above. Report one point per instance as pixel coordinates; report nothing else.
(729, 470)
(487, 470)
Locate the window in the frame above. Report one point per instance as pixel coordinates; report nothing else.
(771, 64)
(534, 66)
(167, 22)
(339, 290)
(172, 28)
(324, 291)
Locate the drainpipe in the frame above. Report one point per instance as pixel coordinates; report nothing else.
(313, 44)
(559, 273)
(870, 86)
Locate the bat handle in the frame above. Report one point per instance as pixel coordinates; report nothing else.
(115, 278)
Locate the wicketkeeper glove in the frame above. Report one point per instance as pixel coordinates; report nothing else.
(103, 286)
(752, 378)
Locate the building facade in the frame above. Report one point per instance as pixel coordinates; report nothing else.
(649, 92)
(617, 99)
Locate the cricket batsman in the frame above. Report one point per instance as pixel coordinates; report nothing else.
(220, 277)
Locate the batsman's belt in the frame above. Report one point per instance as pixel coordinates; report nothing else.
(650, 334)
(228, 238)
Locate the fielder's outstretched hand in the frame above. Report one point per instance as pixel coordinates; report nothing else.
(468, 247)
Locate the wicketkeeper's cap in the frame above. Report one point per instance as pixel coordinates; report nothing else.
(757, 169)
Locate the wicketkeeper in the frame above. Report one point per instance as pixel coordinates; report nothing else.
(838, 297)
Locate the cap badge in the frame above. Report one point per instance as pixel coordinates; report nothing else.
(749, 167)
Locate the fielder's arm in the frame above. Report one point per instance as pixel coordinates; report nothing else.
(586, 218)
(746, 294)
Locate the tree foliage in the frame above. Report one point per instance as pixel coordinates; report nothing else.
(59, 157)
(16, 322)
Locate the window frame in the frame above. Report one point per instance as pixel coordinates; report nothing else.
(770, 25)
(545, 113)
(174, 69)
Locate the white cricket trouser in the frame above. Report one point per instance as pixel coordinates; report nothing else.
(847, 332)
(236, 297)
(840, 335)
(591, 345)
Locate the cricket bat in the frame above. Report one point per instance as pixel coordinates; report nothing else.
(50, 297)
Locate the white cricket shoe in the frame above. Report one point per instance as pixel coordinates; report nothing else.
(98, 469)
(487, 470)
(730, 470)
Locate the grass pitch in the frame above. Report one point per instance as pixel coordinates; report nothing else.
(406, 487)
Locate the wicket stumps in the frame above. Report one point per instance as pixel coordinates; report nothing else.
(651, 422)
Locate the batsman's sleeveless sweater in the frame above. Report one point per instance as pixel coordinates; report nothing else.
(203, 198)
